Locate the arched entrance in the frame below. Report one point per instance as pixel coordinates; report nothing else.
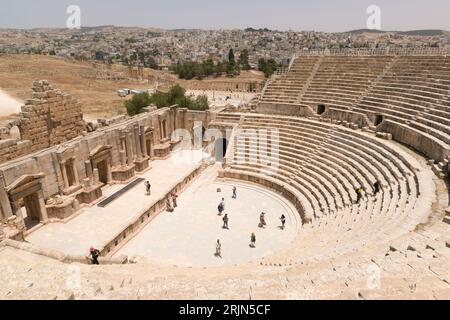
(27, 199)
(378, 120)
(101, 160)
(321, 109)
(221, 146)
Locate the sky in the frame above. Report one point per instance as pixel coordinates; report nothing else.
(318, 15)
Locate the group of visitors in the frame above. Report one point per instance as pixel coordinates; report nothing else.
(360, 192)
(262, 223)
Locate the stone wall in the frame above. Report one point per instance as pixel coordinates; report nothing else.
(123, 137)
(48, 118)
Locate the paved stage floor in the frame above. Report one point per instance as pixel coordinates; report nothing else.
(94, 226)
(187, 236)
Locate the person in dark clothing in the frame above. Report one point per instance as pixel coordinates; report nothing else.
(234, 193)
(283, 221)
(376, 187)
(252, 240)
(147, 187)
(225, 221)
(221, 207)
(94, 253)
(262, 220)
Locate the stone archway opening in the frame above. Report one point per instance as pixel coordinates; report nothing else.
(15, 133)
(27, 199)
(31, 212)
(378, 120)
(221, 146)
(101, 160)
(102, 167)
(321, 109)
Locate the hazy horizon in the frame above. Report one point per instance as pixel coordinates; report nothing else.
(283, 15)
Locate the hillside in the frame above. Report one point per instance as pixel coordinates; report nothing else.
(94, 85)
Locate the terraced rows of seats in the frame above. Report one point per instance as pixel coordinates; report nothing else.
(416, 93)
(340, 81)
(286, 88)
(321, 165)
(411, 94)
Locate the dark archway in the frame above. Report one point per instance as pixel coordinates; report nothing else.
(221, 146)
(378, 119)
(321, 109)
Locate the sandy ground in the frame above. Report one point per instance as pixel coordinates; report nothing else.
(8, 104)
(187, 237)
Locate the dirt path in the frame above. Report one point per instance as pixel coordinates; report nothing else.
(8, 104)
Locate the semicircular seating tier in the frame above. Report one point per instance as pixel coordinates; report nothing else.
(318, 166)
(407, 96)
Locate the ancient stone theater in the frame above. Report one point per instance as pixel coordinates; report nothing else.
(334, 183)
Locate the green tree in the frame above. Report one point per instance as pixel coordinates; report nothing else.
(137, 103)
(243, 60)
(176, 93)
(231, 59)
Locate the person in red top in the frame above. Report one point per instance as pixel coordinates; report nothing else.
(94, 253)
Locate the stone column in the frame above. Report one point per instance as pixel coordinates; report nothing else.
(6, 210)
(96, 176)
(75, 171)
(123, 142)
(143, 142)
(128, 149)
(64, 174)
(88, 168)
(44, 216)
(108, 171)
(137, 142)
(123, 158)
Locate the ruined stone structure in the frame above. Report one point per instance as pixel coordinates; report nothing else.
(61, 170)
(49, 118)
(332, 124)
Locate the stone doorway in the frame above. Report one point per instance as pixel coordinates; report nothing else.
(27, 199)
(221, 146)
(31, 211)
(101, 159)
(321, 109)
(102, 167)
(378, 120)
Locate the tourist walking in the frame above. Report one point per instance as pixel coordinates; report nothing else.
(148, 187)
(94, 254)
(283, 221)
(234, 193)
(221, 207)
(253, 240)
(262, 220)
(376, 187)
(359, 194)
(174, 199)
(218, 249)
(225, 221)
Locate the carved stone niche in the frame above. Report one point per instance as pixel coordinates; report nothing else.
(67, 163)
(101, 159)
(27, 192)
